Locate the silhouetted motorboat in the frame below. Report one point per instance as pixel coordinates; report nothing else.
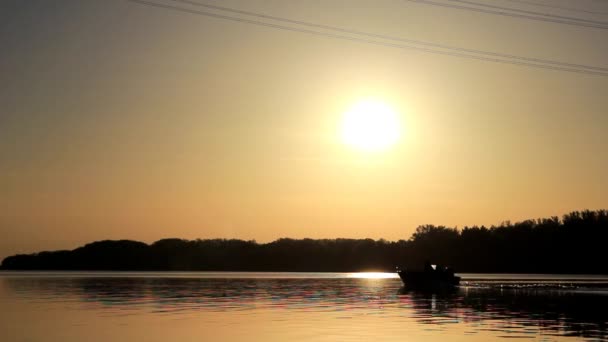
(430, 278)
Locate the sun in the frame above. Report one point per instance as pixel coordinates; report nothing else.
(370, 125)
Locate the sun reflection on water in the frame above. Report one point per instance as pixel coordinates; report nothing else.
(372, 275)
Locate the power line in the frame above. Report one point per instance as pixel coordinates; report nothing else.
(386, 37)
(513, 15)
(369, 41)
(557, 7)
(473, 3)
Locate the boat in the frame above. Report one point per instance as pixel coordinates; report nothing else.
(431, 278)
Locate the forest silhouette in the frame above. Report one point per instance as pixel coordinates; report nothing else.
(573, 244)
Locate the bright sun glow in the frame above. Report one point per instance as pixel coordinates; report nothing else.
(370, 125)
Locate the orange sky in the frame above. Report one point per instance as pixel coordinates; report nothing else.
(126, 121)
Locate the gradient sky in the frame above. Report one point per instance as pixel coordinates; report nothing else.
(119, 120)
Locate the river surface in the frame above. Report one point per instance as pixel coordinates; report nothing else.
(244, 306)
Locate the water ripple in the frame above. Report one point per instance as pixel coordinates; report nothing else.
(508, 308)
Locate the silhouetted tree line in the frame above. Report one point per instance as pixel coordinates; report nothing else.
(574, 244)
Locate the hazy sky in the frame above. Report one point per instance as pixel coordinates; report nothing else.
(120, 120)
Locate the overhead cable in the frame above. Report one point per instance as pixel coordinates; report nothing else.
(386, 37)
(583, 69)
(549, 15)
(513, 15)
(563, 8)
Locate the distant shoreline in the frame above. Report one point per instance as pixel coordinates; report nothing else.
(485, 280)
(573, 244)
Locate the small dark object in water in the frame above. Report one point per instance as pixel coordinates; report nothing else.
(433, 277)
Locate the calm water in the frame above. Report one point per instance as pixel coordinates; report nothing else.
(117, 306)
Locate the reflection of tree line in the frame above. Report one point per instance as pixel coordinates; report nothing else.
(558, 312)
(200, 293)
(573, 244)
(552, 311)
